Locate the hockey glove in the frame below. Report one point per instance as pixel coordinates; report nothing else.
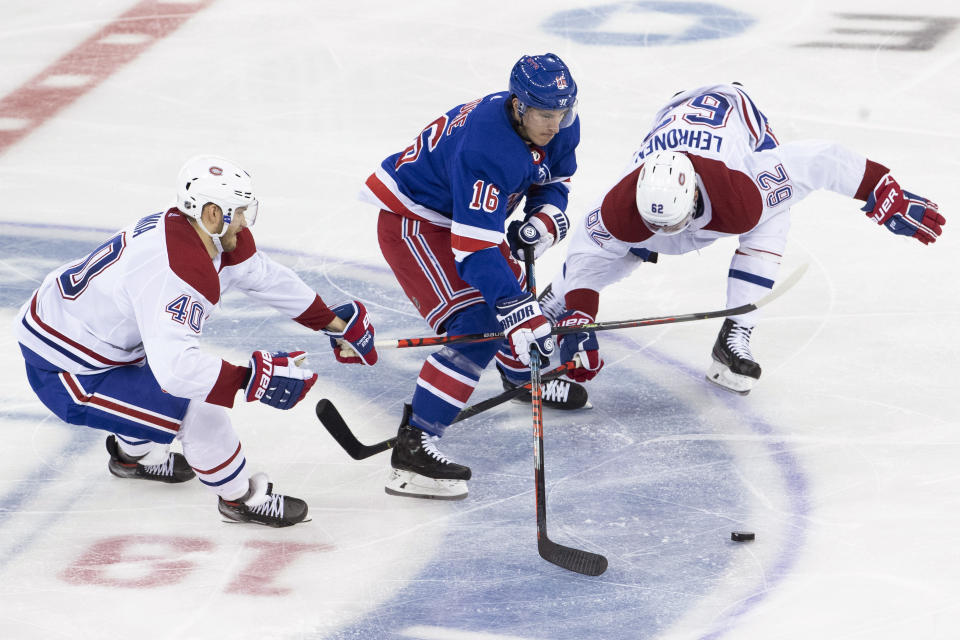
(542, 230)
(904, 213)
(583, 346)
(358, 334)
(277, 379)
(523, 325)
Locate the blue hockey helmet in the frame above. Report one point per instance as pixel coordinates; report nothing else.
(545, 82)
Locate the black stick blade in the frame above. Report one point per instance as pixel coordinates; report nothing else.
(334, 423)
(576, 560)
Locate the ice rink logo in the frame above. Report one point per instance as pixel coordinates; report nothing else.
(628, 24)
(665, 510)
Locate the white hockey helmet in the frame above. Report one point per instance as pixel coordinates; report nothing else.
(205, 179)
(667, 192)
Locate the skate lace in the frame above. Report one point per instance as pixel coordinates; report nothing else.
(556, 391)
(163, 469)
(738, 341)
(272, 507)
(429, 444)
(551, 305)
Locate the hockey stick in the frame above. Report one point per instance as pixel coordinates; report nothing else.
(334, 423)
(788, 282)
(577, 560)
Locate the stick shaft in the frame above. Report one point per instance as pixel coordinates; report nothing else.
(334, 423)
(571, 559)
(428, 341)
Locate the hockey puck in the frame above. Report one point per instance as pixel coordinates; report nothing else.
(742, 536)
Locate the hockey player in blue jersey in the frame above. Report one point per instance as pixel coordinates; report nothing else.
(444, 204)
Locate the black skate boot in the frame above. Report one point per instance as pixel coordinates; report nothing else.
(557, 394)
(262, 506)
(733, 366)
(420, 470)
(172, 470)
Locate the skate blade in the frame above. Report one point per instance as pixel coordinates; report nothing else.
(588, 405)
(229, 521)
(721, 375)
(408, 484)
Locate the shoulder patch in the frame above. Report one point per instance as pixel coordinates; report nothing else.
(619, 211)
(188, 258)
(735, 199)
(246, 247)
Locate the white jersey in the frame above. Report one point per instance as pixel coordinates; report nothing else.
(747, 184)
(143, 296)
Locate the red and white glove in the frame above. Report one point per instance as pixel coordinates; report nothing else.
(524, 325)
(541, 230)
(278, 379)
(582, 345)
(358, 334)
(904, 213)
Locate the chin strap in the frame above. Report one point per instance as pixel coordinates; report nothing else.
(215, 236)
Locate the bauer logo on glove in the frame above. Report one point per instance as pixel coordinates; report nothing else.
(353, 345)
(278, 379)
(904, 213)
(581, 346)
(260, 379)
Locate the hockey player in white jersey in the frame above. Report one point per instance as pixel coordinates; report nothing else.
(711, 168)
(112, 342)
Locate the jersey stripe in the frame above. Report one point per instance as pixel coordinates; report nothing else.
(387, 194)
(755, 120)
(65, 345)
(223, 481)
(751, 278)
(445, 383)
(466, 240)
(225, 471)
(463, 247)
(118, 407)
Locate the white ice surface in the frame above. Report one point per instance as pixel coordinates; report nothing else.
(844, 459)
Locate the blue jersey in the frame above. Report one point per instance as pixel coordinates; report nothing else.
(469, 169)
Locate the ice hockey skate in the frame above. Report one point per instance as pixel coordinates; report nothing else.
(420, 470)
(565, 395)
(733, 366)
(160, 465)
(262, 506)
(551, 304)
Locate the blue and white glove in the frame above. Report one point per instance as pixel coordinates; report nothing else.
(523, 325)
(541, 230)
(278, 379)
(358, 334)
(582, 345)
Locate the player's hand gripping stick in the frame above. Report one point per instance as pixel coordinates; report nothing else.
(524, 324)
(541, 230)
(582, 347)
(357, 335)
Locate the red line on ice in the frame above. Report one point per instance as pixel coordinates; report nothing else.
(90, 63)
